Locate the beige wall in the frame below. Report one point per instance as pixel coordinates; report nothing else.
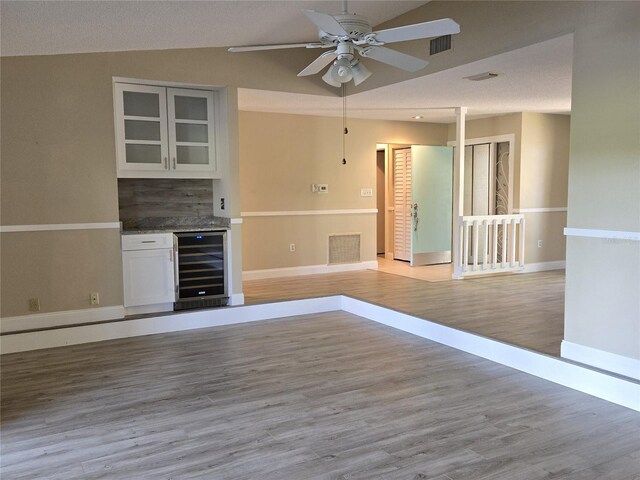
(282, 155)
(58, 160)
(602, 309)
(61, 268)
(544, 167)
(544, 164)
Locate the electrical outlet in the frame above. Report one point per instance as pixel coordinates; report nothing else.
(94, 299)
(366, 192)
(320, 188)
(34, 304)
(539, 243)
(292, 247)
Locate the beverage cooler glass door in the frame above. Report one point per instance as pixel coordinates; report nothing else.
(201, 269)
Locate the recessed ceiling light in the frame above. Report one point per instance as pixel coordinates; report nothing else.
(482, 76)
(417, 117)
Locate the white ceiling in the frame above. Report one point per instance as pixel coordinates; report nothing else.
(535, 78)
(61, 26)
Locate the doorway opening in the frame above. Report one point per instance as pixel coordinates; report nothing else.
(417, 203)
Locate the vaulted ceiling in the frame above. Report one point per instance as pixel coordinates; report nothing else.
(533, 78)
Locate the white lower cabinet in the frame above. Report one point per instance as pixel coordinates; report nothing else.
(148, 269)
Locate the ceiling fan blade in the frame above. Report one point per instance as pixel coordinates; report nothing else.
(393, 58)
(326, 23)
(254, 48)
(436, 28)
(319, 63)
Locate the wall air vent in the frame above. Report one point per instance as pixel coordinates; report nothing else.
(482, 76)
(440, 44)
(344, 248)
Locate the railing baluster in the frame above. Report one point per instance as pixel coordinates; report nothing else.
(494, 252)
(521, 259)
(485, 247)
(465, 256)
(504, 243)
(475, 245)
(512, 260)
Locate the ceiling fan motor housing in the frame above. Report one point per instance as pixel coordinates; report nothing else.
(356, 25)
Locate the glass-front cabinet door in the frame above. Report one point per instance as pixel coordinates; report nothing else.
(191, 129)
(141, 124)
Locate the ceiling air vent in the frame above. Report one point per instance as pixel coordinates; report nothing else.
(440, 44)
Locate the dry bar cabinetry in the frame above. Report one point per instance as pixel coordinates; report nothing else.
(148, 268)
(164, 132)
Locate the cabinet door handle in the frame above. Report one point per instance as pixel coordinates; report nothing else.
(171, 256)
(174, 163)
(166, 163)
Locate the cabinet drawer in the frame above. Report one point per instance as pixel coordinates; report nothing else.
(147, 241)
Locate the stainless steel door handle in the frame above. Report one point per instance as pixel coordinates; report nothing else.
(415, 217)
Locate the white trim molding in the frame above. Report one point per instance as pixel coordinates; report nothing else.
(612, 362)
(235, 221)
(308, 270)
(594, 233)
(59, 226)
(597, 383)
(236, 299)
(544, 266)
(593, 382)
(188, 320)
(295, 213)
(540, 210)
(63, 318)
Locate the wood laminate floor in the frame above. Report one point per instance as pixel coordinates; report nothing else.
(328, 396)
(525, 309)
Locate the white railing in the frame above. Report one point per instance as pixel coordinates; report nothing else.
(491, 244)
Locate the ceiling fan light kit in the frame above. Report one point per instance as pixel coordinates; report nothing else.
(351, 34)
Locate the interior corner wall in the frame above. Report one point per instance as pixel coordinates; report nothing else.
(602, 310)
(544, 167)
(282, 155)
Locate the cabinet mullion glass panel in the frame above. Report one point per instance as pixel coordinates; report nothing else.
(144, 118)
(191, 129)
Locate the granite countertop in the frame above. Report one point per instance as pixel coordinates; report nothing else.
(173, 224)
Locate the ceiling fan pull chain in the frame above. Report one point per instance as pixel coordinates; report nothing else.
(345, 130)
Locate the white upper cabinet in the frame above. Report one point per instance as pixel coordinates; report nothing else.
(165, 132)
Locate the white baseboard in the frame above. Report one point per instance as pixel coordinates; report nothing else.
(629, 367)
(598, 384)
(144, 309)
(188, 320)
(307, 270)
(56, 319)
(236, 299)
(544, 266)
(581, 378)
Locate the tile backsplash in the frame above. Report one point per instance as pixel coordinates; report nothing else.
(147, 198)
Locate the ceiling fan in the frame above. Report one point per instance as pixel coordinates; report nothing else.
(351, 34)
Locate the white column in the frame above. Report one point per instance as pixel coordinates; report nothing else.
(458, 190)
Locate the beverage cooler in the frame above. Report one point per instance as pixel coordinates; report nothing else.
(201, 279)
